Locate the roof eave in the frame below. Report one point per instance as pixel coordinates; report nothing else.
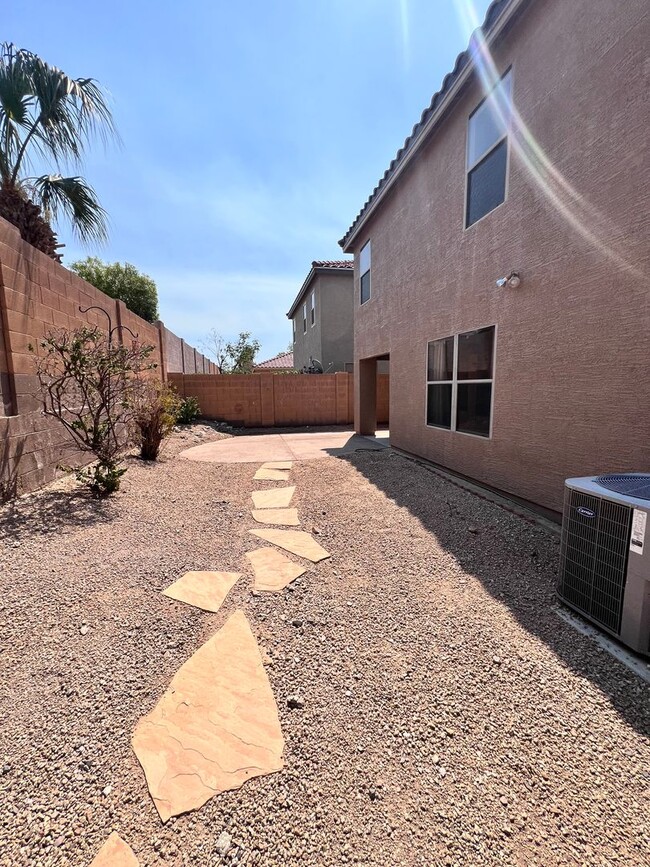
(307, 283)
(347, 241)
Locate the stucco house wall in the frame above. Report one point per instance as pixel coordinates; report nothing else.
(571, 392)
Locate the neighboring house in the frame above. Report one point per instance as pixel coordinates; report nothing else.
(322, 318)
(531, 163)
(282, 363)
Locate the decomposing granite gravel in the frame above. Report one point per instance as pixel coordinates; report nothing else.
(434, 707)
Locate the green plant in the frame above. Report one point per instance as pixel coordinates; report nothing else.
(46, 114)
(188, 411)
(232, 357)
(156, 408)
(123, 281)
(91, 386)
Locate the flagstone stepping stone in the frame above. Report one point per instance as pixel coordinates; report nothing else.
(215, 727)
(288, 517)
(273, 571)
(205, 590)
(274, 498)
(115, 853)
(271, 475)
(294, 541)
(277, 465)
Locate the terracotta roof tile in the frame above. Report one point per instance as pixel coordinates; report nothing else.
(283, 361)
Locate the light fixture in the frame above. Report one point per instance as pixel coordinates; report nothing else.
(512, 281)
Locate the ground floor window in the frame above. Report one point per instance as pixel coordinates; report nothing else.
(460, 373)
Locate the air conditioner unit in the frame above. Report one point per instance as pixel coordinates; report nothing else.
(605, 555)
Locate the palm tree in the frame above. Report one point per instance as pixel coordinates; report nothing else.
(46, 115)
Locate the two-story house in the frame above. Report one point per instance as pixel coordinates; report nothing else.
(502, 261)
(322, 317)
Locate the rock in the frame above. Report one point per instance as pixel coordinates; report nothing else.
(297, 623)
(295, 702)
(224, 842)
(84, 629)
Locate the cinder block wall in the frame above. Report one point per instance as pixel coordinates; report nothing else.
(38, 295)
(278, 400)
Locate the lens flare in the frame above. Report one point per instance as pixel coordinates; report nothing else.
(583, 217)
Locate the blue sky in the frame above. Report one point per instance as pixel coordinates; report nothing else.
(252, 132)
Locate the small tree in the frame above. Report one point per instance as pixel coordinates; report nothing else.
(90, 385)
(232, 357)
(122, 281)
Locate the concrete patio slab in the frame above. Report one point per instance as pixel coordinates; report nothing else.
(296, 542)
(205, 590)
(285, 517)
(115, 853)
(215, 727)
(273, 571)
(271, 475)
(278, 447)
(274, 498)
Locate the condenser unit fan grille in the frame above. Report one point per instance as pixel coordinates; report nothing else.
(631, 484)
(593, 560)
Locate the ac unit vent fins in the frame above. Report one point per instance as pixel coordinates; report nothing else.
(633, 485)
(593, 557)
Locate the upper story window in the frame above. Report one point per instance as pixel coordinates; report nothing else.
(487, 151)
(304, 318)
(460, 370)
(293, 329)
(364, 272)
(313, 308)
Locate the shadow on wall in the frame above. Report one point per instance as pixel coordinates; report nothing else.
(487, 544)
(52, 513)
(9, 461)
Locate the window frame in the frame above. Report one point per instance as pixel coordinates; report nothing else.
(368, 271)
(304, 318)
(294, 329)
(506, 136)
(454, 382)
(313, 308)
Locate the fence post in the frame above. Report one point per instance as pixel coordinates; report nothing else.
(8, 384)
(341, 384)
(163, 350)
(267, 401)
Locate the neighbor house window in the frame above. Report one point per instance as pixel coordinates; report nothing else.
(459, 382)
(293, 329)
(313, 308)
(487, 152)
(304, 318)
(364, 271)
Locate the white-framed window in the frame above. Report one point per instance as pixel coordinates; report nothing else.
(487, 151)
(304, 318)
(460, 380)
(364, 273)
(293, 329)
(313, 308)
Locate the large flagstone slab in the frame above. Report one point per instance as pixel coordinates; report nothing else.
(205, 590)
(288, 517)
(295, 541)
(277, 465)
(215, 727)
(271, 475)
(115, 853)
(273, 571)
(274, 498)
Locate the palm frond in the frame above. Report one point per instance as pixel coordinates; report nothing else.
(73, 198)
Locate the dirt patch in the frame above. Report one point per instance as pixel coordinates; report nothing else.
(435, 708)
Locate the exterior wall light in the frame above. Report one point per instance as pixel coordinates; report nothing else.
(512, 281)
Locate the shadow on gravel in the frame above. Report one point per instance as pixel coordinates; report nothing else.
(515, 561)
(52, 512)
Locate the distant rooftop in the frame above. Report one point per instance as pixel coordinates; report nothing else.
(283, 361)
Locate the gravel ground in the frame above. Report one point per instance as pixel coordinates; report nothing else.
(450, 716)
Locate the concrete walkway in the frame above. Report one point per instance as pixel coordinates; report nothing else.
(280, 447)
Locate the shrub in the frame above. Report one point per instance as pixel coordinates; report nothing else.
(156, 408)
(188, 411)
(122, 281)
(88, 384)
